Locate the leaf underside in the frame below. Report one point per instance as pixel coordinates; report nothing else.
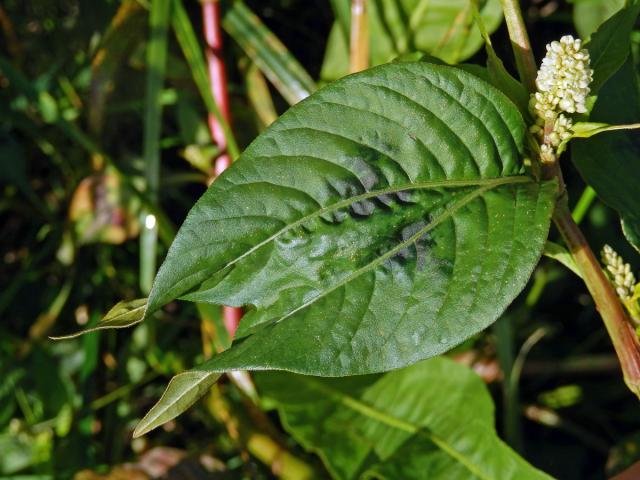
(122, 315)
(416, 422)
(379, 222)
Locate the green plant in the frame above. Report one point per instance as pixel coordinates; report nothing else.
(386, 219)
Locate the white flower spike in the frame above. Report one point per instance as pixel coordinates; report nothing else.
(563, 86)
(619, 273)
(564, 78)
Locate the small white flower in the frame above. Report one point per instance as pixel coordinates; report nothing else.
(547, 153)
(619, 273)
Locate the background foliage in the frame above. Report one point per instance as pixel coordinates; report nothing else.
(84, 113)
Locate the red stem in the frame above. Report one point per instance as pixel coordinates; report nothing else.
(218, 81)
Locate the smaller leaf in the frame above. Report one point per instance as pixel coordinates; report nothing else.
(183, 391)
(589, 129)
(498, 74)
(609, 45)
(124, 314)
(562, 255)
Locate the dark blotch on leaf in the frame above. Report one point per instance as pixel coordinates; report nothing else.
(363, 208)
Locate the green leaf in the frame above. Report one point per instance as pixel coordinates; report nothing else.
(124, 314)
(588, 15)
(183, 391)
(609, 161)
(561, 255)
(609, 46)
(379, 222)
(442, 28)
(267, 51)
(589, 129)
(631, 231)
(412, 423)
(498, 74)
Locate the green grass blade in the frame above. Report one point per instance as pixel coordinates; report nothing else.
(156, 66)
(267, 51)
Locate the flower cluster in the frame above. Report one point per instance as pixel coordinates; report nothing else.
(563, 86)
(619, 273)
(564, 78)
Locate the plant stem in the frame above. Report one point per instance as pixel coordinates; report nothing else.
(359, 42)
(217, 79)
(190, 45)
(525, 62)
(625, 341)
(218, 84)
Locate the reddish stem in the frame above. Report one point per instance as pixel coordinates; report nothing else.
(217, 78)
(218, 82)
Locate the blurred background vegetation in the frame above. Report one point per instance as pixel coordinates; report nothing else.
(99, 142)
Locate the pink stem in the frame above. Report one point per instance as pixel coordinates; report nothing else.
(218, 80)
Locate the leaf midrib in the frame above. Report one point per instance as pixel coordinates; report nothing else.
(448, 213)
(487, 183)
(393, 422)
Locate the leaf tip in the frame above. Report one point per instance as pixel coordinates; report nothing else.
(183, 391)
(141, 429)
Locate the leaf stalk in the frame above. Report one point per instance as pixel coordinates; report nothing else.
(525, 62)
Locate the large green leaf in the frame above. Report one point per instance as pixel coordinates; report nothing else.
(379, 222)
(413, 423)
(442, 28)
(609, 45)
(610, 161)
